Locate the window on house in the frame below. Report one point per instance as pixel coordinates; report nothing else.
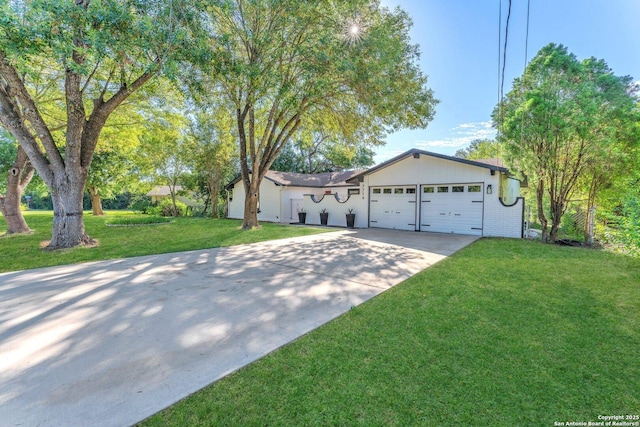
(427, 189)
(351, 191)
(411, 191)
(398, 191)
(457, 189)
(474, 189)
(443, 189)
(386, 191)
(376, 191)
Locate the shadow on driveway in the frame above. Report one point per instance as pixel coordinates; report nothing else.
(110, 343)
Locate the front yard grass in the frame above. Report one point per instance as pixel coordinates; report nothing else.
(20, 252)
(503, 333)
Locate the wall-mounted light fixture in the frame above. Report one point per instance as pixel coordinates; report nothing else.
(489, 189)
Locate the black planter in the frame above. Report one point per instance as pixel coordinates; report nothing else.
(351, 220)
(324, 218)
(302, 217)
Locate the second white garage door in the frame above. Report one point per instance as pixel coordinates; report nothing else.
(393, 207)
(452, 208)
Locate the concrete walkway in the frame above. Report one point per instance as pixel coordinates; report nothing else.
(110, 343)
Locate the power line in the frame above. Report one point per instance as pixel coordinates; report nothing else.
(504, 52)
(499, 48)
(526, 39)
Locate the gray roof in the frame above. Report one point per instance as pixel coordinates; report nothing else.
(163, 190)
(316, 180)
(491, 164)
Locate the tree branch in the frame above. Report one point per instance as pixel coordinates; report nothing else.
(16, 95)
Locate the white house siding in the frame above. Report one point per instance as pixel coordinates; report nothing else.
(235, 201)
(501, 220)
(338, 207)
(497, 219)
(510, 189)
(430, 170)
(275, 201)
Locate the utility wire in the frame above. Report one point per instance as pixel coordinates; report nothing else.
(504, 52)
(524, 73)
(499, 50)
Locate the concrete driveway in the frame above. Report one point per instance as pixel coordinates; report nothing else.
(111, 343)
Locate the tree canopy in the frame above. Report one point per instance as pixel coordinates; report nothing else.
(283, 65)
(100, 52)
(480, 149)
(566, 124)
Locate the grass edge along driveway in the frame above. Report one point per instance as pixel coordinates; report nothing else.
(504, 332)
(20, 252)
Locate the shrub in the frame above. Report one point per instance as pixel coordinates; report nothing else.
(165, 208)
(137, 220)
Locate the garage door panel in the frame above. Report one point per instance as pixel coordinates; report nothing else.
(452, 208)
(393, 207)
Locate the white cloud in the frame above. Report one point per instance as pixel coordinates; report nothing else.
(462, 135)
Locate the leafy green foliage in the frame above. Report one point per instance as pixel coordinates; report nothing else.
(8, 151)
(322, 156)
(481, 149)
(286, 67)
(95, 54)
(167, 208)
(137, 220)
(564, 125)
(630, 225)
(213, 156)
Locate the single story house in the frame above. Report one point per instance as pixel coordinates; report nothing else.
(417, 190)
(160, 192)
(282, 193)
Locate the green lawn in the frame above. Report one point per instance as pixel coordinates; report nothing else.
(23, 251)
(503, 333)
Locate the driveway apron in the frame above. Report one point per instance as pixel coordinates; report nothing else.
(110, 343)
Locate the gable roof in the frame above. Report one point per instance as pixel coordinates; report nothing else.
(491, 164)
(316, 180)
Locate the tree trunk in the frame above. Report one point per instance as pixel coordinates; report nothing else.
(541, 216)
(214, 192)
(19, 177)
(68, 223)
(10, 208)
(250, 220)
(96, 201)
(557, 210)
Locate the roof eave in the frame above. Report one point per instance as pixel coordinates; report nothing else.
(413, 152)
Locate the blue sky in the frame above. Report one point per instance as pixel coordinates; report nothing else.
(458, 41)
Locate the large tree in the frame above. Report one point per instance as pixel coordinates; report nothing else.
(282, 64)
(167, 145)
(560, 122)
(322, 154)
(105, 50)
(213, 155)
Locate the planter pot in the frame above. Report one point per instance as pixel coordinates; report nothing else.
(302, 217)
(324, 218)
(351, 220)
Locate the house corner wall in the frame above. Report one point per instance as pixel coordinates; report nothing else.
(502, 220)
(269, 202)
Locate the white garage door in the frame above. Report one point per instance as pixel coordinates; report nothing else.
(393, 207)
(452, 208)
